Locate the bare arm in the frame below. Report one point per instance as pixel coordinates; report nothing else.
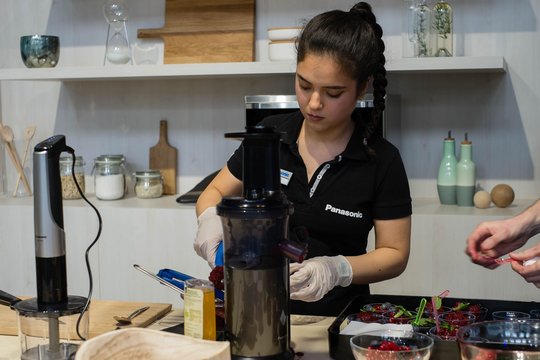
(496, 238)
(224, 184)
(391, 254)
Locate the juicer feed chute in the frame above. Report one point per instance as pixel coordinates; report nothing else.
(256, 271)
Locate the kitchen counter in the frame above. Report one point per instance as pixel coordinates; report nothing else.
(310, 339)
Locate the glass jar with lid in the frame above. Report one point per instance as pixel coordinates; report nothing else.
(69, 188)
(148, 184)
(109, 177)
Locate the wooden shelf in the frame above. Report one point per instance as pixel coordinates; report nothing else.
(486, 64)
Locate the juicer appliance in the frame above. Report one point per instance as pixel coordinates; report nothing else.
(256, 269)
(49, 323)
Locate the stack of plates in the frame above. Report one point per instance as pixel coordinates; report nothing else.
(282, 43)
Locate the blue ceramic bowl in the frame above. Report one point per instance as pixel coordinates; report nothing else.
(40, 51)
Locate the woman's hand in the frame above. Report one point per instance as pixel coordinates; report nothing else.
(209, 235)
(313, 278)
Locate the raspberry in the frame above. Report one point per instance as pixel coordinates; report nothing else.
(216, 277)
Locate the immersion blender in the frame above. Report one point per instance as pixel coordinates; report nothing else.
(53, 301)
(256, 271)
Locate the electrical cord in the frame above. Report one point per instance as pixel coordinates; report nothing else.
(86, 257)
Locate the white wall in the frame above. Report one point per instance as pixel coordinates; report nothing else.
(499, 111)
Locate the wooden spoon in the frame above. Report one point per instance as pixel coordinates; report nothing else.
(28, 135)
(7, 135)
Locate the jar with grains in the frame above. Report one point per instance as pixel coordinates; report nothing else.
(148, 184)
(69, 188)
(109, 177)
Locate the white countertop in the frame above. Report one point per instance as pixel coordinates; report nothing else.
(310, 339)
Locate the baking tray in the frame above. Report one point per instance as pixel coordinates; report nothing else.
(339, 345)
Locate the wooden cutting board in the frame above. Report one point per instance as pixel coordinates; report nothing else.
(164, 157)
(101, 316)
(206, 31)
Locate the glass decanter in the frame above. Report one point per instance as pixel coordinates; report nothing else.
(443, 29)
(117, 49)
(421, 29)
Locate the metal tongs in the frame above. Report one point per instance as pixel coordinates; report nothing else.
(175, 280)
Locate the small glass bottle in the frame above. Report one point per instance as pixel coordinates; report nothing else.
(148, 184)
(199, 309)
(421, 29)
(466, 175)
(109, 177)
(443, 31)
(69, 188)
(447, 177)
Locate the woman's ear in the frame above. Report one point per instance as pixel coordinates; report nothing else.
(363, 88)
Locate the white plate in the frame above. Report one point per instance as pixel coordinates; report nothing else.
(283, 33)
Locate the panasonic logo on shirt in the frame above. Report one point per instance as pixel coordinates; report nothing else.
(335, 210)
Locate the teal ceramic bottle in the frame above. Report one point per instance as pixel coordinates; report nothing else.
(447, 177)
(466, 175)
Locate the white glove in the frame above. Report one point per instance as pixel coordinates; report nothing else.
(313, 278)
(209, 235)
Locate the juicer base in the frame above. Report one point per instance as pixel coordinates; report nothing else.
(288, 355)
(66, 351)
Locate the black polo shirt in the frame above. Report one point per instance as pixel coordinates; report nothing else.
(340, 202)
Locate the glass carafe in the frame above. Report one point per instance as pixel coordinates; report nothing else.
(442, 22)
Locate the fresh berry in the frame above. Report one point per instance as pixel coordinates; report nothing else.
(387, 345)
(216, 277)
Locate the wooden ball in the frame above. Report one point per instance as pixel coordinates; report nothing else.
(482, 199)
(502, 195)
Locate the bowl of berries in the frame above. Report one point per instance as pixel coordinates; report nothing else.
(500, 339)
(391, 345)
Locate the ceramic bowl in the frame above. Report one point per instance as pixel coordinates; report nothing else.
(283, 33)
(513, 339)
(40, 51)
(281, 50)
(372, 345)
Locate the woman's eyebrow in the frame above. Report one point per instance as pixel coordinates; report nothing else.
(337, 87)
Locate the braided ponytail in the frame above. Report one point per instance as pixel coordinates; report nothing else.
(354, 40)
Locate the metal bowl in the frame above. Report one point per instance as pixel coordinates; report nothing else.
(500, 339)
(40, 51)
(364, 345)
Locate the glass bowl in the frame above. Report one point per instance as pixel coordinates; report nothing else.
(535, 313)
(500, 339)
(379, 307)
(366, 317)
(510, 315)
(457, 318)
(40, 51)
(390, 317)
(400, 345)
(446, 333)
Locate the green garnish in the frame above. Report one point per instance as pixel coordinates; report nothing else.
(461, 306)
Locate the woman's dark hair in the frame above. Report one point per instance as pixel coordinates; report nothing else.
(354, 40)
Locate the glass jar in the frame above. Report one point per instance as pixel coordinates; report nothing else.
(109, 177)
(148, 184)
(69, 188)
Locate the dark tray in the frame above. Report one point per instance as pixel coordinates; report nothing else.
(340, 347)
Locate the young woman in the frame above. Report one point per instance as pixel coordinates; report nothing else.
(345, 179)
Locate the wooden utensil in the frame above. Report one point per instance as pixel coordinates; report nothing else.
(126, 320)
(7, 135)
(208, 32)
(28, 135)
(163, 157)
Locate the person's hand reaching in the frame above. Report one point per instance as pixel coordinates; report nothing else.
(313, 278)
(209, 235)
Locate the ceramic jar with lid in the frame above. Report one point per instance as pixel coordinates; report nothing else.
(110, 177)
(69, 188)
(148, 184)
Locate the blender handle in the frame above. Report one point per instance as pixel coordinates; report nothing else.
(8, 299)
